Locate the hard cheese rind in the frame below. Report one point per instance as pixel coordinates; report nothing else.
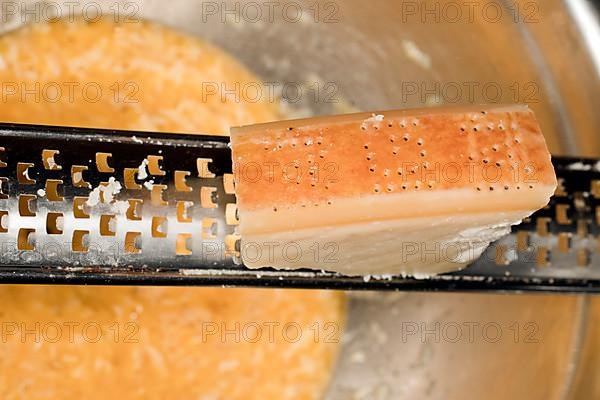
(414, 192)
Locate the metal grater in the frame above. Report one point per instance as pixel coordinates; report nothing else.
(173, 221)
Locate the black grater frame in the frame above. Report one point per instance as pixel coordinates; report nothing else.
(554, 250)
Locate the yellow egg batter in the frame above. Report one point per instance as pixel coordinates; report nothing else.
(140, 342)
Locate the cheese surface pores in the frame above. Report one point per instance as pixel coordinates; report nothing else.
(400, 192)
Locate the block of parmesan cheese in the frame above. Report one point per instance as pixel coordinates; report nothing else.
(415, 192)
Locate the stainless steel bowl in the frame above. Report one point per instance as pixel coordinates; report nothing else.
(380, 55)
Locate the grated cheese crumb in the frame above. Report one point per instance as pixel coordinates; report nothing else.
(579, 166)
(149, 184)
(373, 119)
(142, 173)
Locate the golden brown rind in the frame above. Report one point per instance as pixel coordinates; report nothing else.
(316, 162)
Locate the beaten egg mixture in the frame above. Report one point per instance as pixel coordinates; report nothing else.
(142, 342)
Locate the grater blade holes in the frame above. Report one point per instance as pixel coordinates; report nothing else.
(54, 223)
(23, 173)
(4, 188)
(49, 160)
(129, 175)
(231, 214)
(52, 193)
(181, 244)
(27, 205)
(154, 167)
(25, 239)
(159, 226)
(79, 242)
(108, 225)
(134, 211)
(133, 242)
(3, 221)
(209, 229)
(80, 208)
(180, 181)
(207, 197)
(156, 196)
(183, 211)
(228, 184)
(203, 167)
(3, 164)
(77, 177)
(102, 163)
